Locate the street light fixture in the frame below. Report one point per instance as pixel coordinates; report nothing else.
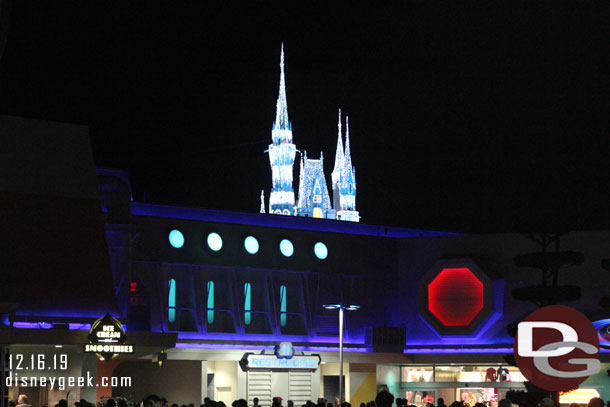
(341, 308)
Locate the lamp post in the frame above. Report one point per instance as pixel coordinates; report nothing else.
(341, 308)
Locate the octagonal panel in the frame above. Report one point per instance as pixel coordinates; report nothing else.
(455, 296)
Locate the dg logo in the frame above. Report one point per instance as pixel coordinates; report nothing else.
(557, 348)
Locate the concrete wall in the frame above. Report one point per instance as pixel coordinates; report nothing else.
(389, 375)
(242, 384)
(204, 381)
(362, 383)
(178, 380)
(332, 369)
(225, 380)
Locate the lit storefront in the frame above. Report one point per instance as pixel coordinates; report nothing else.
(469, 383)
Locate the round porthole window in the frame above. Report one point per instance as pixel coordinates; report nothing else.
(320, 250)
(286, 248)
(251, 245)
(176, 239)
(214, 241)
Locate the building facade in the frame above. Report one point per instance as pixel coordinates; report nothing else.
(231, 304)
(434, 307)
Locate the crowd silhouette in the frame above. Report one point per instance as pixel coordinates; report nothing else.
(383, 399)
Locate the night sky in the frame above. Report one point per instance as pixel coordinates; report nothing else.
(477, 117)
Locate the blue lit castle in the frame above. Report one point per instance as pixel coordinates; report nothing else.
(344, 178)
(314, 199)
(281, 155)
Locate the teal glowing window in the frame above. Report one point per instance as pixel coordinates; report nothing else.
(210, 302)
(283, 305)
(320, 250)
(176, 238)
(247, 303)
(286, 248)
(171, 301)
(214, 241)
(251, 245)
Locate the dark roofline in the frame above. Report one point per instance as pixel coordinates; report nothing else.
(279, 221)
(114, 172)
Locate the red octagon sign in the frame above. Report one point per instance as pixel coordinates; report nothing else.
(455, 296)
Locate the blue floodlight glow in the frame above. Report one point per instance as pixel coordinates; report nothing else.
(214, 241)
(286, 248)
(176, 238)
(33, 325)
(289, 222)
(190, 345)
(251, 245)
(320, 250)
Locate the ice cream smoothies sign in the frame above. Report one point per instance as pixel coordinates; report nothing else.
(283, 358)
(107, 338)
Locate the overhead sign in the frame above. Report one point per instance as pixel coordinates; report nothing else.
(107, 338)
(275, 362)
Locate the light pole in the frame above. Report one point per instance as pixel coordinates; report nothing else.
(341, 308)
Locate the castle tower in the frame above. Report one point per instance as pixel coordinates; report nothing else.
(301, 198)
(314, 201)
(347, 210)
(281, 154)
(336, 174)
(262, 210)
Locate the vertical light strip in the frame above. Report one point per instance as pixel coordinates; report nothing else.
(210, 302)
(171, 301)
(247, 304)
(283, 305)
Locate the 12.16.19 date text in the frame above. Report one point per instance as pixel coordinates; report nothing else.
(38, 362)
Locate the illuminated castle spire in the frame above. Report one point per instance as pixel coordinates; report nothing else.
(336, 174)
(347, 193)
(313, 200)
(347, 157)
(281, 112)
(262, 210)
(301, 202)
(281, 154)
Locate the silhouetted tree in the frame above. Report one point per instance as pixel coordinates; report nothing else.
(549, 261)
